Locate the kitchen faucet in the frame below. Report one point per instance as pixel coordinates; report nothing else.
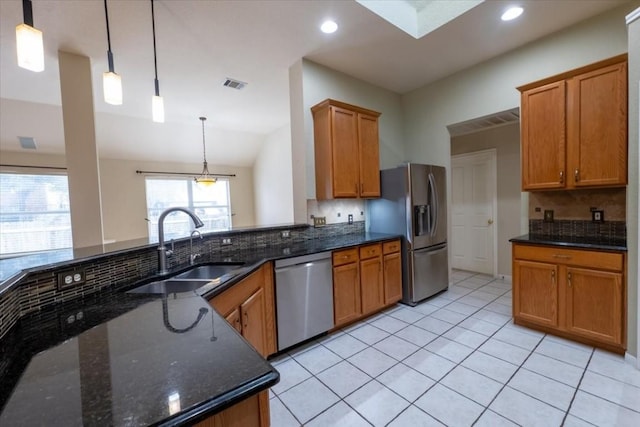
(192, 256)
(162, 250)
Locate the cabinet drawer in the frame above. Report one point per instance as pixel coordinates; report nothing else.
(370, 251)
(583, 258)
(345, 257)
(390, 247)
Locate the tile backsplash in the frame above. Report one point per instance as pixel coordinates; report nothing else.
(336, 211)
(609, 230)
(577, 204)
(112, 272)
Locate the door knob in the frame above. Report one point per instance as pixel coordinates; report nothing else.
(489, 221)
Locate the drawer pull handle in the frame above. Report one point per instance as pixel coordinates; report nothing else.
(561, 177)
(569, 277)
(576, 175)
(562, 256)
(553, 276)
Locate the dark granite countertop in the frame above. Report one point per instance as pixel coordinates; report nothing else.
(142, 360)
(126, 359)
(599, 243)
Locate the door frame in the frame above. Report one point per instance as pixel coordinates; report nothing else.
(492, 153)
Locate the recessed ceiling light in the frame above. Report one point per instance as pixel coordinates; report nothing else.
(328, 27)
(512, 13)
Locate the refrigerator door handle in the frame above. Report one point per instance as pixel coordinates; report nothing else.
(433, 204)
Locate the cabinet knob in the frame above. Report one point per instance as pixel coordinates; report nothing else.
(561, 177)
(576, 175)
(553, 276)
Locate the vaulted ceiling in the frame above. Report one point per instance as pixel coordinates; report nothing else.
(200, 43)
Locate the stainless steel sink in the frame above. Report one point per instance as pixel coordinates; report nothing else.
(169, 286)
(209, 271)
(190, 280)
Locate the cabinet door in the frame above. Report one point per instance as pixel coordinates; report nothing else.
(344, 136)
(535, 292)
(234, 319)
(597, 127)
(543, 137)
(346, 293)
(371, 284)
(392, 278)
(254, 329)
(594, 304)
(369, 156)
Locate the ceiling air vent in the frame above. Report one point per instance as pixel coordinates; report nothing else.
(234, 84)
(486, 122)
(27, 142)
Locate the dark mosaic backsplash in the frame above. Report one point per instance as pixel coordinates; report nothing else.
(614, 230)
(112, 272)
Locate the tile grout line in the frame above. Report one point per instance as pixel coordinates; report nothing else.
(575, 392)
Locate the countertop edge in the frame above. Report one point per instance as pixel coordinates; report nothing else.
(223, 402)
(525, 239)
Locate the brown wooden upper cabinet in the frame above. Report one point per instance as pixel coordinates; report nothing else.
(574, 128)
(347, 156)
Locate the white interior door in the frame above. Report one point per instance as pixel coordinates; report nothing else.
(473, 207)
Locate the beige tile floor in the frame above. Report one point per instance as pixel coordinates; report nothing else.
(456, 360)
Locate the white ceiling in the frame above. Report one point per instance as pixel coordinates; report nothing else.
(200, 43)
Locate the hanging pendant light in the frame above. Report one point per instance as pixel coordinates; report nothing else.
(205, 177)
(29, 41)
(111, 82)
(157, 103)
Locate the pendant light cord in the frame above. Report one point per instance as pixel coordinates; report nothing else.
(204, 148)
(27, 12)
(109, 53)
(155, 60)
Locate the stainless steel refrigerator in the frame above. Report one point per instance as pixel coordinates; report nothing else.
(413, 203)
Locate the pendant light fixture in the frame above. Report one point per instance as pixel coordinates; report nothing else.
(111, 82)
(29, 41)
(157, 103)
(205, 177)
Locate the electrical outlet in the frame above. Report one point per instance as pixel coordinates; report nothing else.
(548, 215)
(285, 234)
(319, 221)
(597, 215)
(71, 278)
(226, 241)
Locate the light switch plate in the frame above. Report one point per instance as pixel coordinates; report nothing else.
(548, 215)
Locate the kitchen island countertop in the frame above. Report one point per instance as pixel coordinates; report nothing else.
(129, 359)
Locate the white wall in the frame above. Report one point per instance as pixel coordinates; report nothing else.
(123, 191)
(490, 87)
(272, 179)
(633, 189)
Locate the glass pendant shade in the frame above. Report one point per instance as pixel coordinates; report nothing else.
(157, 109)
(30, 48)
(112, 86)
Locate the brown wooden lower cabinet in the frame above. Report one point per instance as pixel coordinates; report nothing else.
(251, 412)
(577, 294)
(365, 280)
(249, 306)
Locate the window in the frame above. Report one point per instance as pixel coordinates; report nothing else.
(34, 213)
(211, 204)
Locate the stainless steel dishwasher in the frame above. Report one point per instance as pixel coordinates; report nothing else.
(304, 298)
